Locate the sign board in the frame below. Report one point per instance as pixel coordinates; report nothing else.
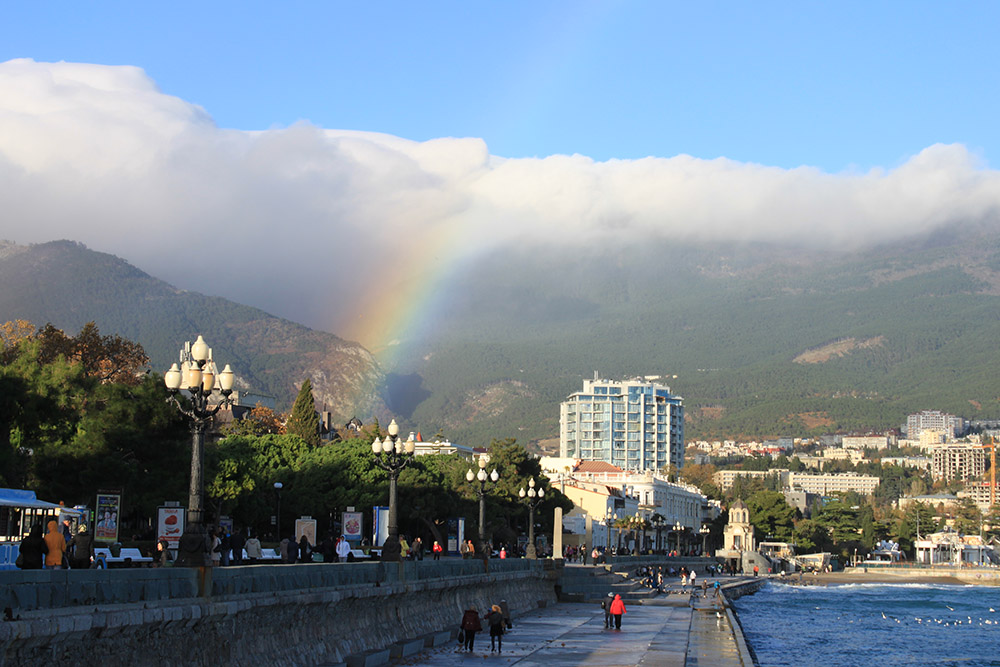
(306, 526)
(170, 525)
(351, 525)
(106, 517)
(380, 525)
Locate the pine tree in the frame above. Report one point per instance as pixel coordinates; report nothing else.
(304, 422)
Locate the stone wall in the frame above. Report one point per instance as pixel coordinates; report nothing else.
(275, 615)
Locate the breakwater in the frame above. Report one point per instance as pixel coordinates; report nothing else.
(273, 614)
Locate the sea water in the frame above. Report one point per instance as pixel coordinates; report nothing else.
(872, 625)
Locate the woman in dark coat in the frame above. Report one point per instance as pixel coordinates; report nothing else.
(83, 554)
(471, 625)
(495, 620)
(33, 549)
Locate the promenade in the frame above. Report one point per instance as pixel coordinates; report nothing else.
(665, 631)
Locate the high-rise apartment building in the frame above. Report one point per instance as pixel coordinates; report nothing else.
(633, 424)
(935, 420)
(957, 461)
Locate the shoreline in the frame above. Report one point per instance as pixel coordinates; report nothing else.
(887, 576)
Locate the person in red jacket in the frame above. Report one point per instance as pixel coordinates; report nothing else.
(437, 549)
(617, 611)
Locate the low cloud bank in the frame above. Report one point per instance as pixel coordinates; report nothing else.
(295, 220)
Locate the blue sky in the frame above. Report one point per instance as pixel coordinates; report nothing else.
(839, 86)
(438, 131)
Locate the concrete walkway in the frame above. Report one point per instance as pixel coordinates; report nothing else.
(665, 632)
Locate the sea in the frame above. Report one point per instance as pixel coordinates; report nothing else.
(872, 625)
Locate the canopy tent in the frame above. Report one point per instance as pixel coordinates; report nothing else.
(28, 500)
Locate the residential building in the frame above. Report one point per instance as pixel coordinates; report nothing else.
(918, 462)
(828, 484)
(724, 478)
(979, 492)
(635, 424)
(934, 419)
(957, 461)
(868, 441)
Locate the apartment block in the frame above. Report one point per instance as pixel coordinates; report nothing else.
(637, 424)
(957, 461)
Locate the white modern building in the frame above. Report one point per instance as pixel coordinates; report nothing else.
(635, 424)
(935, 420)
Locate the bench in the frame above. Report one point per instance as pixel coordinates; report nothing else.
(266, 556)
(130, 557)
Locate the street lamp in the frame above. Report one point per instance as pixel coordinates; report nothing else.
(533, 499)
(677, 529)
(482, 477)
(608, 517)
(638, 523)
(198, 375)
(277, 513)
(392, 455)
(658, 523)
(704, 530)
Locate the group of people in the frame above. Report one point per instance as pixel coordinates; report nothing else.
(57, 549)
(614, 609)
(496, 618)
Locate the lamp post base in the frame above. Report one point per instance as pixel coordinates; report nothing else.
(531, 552)
(194, 547)
(391, 549)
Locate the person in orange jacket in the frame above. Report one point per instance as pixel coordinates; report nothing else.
(57, 546)
(617, 611)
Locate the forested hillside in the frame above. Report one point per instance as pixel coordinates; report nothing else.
(69, 285)
(762, 340)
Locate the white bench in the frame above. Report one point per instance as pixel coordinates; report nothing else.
(130, 557)
(266, 555)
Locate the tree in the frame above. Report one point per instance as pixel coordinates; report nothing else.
(261, 420)
(771, 515)
(303, 421)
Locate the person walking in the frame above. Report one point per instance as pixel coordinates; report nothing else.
(618, 610)
(417, 548)
(470, 626)
(756, 570)
(305, 549)
(684, 582)
(495, 620)
(505, 610)
(32, 550)
(56, 544)
(343, 549)
(606, 606)
(437, 549)
(239, 541)
(694, 575)
(217, 546)
(83, 549)
(252, 546)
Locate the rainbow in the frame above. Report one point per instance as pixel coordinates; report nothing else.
(399, 307)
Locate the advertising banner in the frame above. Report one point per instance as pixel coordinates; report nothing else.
(306, 526)
(106, 517)
(352, 525)
(380, 524)
(170, 525)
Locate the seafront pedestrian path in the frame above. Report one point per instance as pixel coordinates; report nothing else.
(670, 630)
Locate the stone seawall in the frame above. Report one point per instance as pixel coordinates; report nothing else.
(275, 615)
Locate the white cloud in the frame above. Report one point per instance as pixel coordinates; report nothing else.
(98, 154)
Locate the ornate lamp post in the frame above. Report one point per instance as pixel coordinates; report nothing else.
(392, 455)
(704, 530)
(678, 528)
(277, 510)
(609, 517)
(198, 375)
(637, 524)
(533, 498)
(482, 477)
(658, 523)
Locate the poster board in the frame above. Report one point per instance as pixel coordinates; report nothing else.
(306, 526)
(352, 525)
(170, 525)
(106, 517)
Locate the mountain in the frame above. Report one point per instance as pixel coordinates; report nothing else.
(760, 340)
(65, 283)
